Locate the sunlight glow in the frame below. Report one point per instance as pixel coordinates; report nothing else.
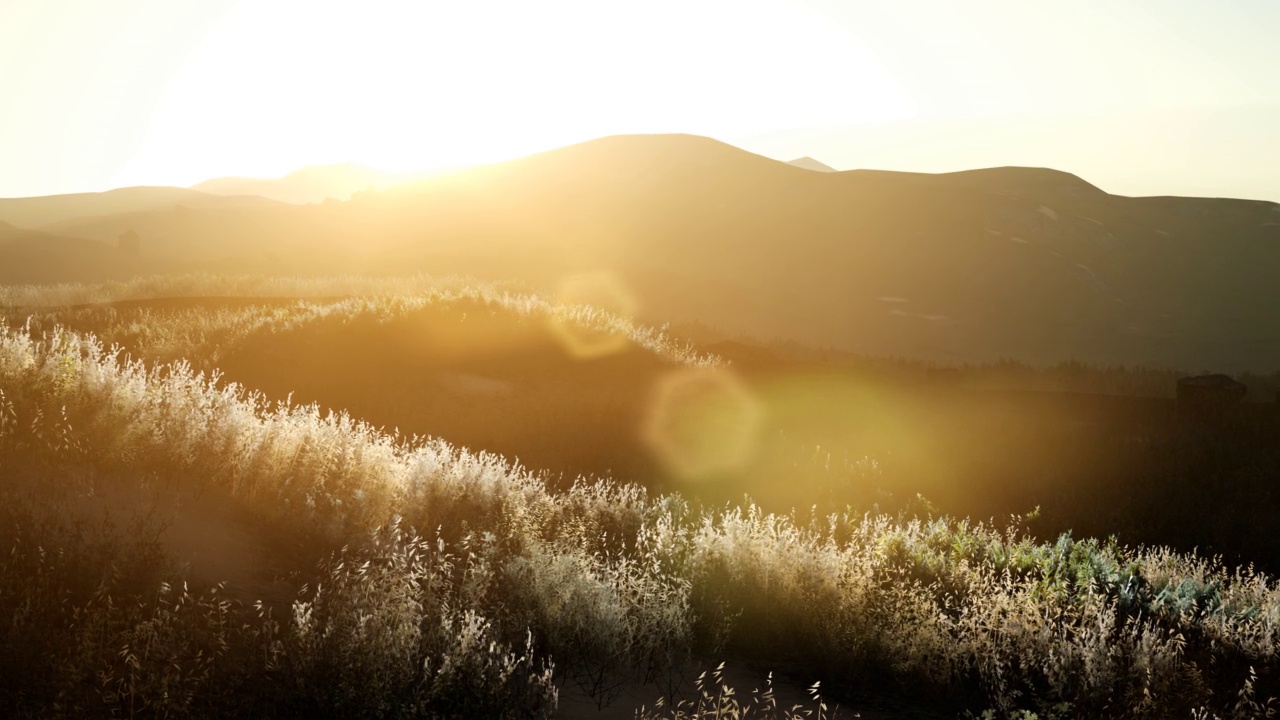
(409, 85)
(602, 290)
(1139, 97)
(704, 423)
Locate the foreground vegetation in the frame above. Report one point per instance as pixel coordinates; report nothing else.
(452, 584)
(485, 367)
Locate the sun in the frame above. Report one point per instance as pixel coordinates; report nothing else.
(407, 84)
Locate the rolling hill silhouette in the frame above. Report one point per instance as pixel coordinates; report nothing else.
(1020, 262)
(237, 238)
(478, 375)
(1028, 263)
(37, 212)
(308, 185)
(31, 256)
(809, 163)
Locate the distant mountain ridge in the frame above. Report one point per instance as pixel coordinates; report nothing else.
(809, 163)
(34, 212)
(308, 185)
(1026, 263)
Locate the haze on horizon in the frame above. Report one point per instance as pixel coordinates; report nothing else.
(1139, 97)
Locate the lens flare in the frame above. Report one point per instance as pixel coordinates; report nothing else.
(703, 423)
(598, 291)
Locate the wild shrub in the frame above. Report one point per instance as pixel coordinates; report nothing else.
(606, 580)
(610, 619)
(382, 635)
(95, 623)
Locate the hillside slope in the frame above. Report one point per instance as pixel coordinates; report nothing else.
(31, 256)
(308, 185)
(37, 212)
(1028, 263)
(809, 163)
(1022, 262)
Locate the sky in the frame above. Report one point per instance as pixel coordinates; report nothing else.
(1140, 97)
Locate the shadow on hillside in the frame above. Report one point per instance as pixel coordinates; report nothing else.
(484, 380)
(1096, 465)
(882, 436)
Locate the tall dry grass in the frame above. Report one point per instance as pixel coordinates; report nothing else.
(175, 331)
(465, 581)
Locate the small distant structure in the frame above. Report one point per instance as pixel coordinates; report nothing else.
(1209, 396)
(129, 243)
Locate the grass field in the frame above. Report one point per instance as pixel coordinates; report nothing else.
(230, 497)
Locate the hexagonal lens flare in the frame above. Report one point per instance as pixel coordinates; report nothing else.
(703, 423)
(602, 290)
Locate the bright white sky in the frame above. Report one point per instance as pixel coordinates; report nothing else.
(1137, 96)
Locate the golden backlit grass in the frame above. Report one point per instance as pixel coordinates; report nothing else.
(172, 329)
(465, 586)
(502, 371)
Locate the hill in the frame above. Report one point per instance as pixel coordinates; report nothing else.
(809, 163)
(1017, 262)
(1027, 263)
(36, 212)
(268, 238)
(308, 185)
(555, 389)
(28, 256)
(1106, 452)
